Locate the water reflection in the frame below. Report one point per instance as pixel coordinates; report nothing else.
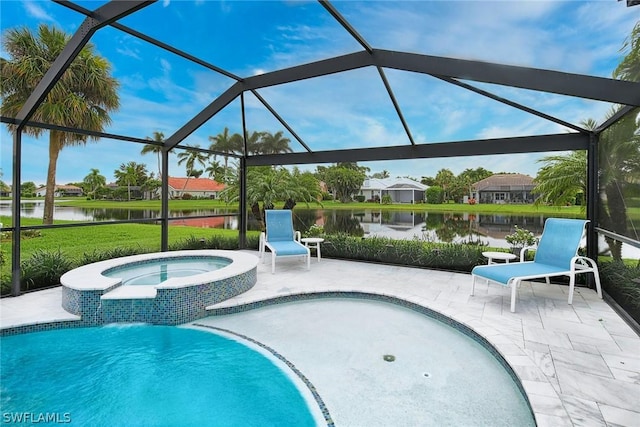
(35, 209)
(479, 229)
(486, 229)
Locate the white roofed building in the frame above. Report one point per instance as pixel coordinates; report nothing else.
(401, 190)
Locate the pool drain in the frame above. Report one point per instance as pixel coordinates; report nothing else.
(389, 357)
(426, 375)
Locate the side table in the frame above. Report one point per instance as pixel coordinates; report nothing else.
(313, 243)
(506, 257)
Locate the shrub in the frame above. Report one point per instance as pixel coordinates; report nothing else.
(43, 269)
(620, 281)
(96, 255)
(217, 241)
(417, 253)
(520, 237)
(190, 243)
(5, 283)
(360, 198)
(314, 231)
(5, 277)
(386, 199)
(434, 195)
(187, 196)
(24, 234)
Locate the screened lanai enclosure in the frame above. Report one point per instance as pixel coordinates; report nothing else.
(377, 83)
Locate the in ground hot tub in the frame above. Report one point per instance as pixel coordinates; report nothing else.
(165, 288)
(156, 271)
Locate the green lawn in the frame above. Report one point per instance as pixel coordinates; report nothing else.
(74, 242)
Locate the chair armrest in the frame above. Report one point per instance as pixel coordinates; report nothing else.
(523, 251)
(263, 237)
(583, 263)
(297, 236)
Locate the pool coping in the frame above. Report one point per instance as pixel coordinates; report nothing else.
(89, 277)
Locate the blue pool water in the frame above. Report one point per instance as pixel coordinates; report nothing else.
(157, 271)
(139, 375)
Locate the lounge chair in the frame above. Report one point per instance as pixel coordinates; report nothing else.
(281, 239)
(556, 255)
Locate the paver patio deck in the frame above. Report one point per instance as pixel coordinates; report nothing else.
(579, 364)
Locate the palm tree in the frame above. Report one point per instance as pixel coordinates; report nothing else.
(82, 98)
(269, 185)
(225, 143)
(191, 158)
(629, 67)
(620, 150)
(561, 178)
(94, 181)
(129, 174)
(619, 160)
(275, 143)
(153, 148)
(253, 142)
(381, 175)
(215, 171)
(446, 180)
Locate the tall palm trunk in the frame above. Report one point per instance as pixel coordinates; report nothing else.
(54, 150)
(289, 203)
(184, 187)
(257, 213)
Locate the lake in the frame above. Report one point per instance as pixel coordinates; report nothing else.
(483, 229)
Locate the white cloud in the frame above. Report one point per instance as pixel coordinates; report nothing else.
(544, 34)
(34, 10)
(301, 33)
(165, 65)
(127, 51)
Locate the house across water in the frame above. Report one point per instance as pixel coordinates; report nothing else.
(197, 188)
(61, 191)
(504, 188)
(401, 190)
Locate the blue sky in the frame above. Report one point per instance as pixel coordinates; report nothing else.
(161, 92)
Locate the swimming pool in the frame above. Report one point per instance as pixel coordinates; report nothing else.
(130, 375)
(439, 375)
(160, 270)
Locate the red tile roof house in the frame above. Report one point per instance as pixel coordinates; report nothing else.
(504, 188)
(196, 187)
